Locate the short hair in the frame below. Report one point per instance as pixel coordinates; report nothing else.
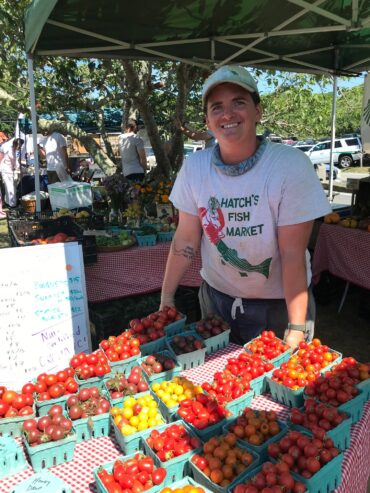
(131, 124)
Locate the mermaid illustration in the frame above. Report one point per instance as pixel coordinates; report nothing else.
(213, 222)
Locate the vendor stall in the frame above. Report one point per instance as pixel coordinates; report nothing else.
(89, 454)
(137, 270)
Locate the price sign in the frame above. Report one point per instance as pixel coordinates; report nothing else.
(43, 315)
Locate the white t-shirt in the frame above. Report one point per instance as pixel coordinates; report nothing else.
(240, 216)
(130, 144)
(53, 145)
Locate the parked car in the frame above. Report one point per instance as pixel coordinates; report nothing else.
(347, 151)
(306, 148)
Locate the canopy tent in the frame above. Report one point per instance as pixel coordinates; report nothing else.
(321, 36)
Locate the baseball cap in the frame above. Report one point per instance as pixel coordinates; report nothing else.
(235, 74)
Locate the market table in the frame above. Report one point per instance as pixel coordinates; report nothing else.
(92, 453)
(344, 252)
(136, 270)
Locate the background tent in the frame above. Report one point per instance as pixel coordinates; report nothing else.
(320, 36)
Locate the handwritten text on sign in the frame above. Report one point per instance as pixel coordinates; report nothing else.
(43, 314)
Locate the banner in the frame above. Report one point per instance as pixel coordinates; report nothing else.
(365, 117)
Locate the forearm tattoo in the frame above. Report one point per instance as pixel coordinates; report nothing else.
(187, 252)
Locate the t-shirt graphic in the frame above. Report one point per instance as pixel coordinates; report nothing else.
(213, 223)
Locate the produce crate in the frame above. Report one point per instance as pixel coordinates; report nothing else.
(163, 375)
(92, 427)
(187, 480)
(107, 320)
(163, 236)
(70, 196)
(285, 395)
(13, 426)
(12, 458)
(22, 232)
(213, 343)
(237, 406)
(153, 346)
(341, 434)
(123, 365)
(177, 327)
(282, 358)
(146, 240)
(33, 483)
(259, 385)
(261, 450)
(189, 360)
(203, 480)
(51, 454)
(327, 479)
(93, 381)
(131, 443)
(42, 407)
(365, 387)
(109, 468)
(177, 467)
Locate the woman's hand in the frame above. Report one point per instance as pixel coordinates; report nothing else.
(293, 338)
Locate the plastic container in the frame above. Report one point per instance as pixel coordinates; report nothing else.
(109, 468)
(341, 434)
(285, 395)
(124, 365)
(153, 346)
(131, 443)
(259, 385)
(70, 196)
(13, 426)
(42, 482)
(12, 458)
(275, 361)
(177, 327)
(176, 467)
(203, 480)
(261, 450)
(93, 381)
(188, 480)
(146, 240)
(189, 360)
(163, 236)
(163, 375)
(92, 427)
(42, 407)
(238, 405)
(51, 454)
(327, 479)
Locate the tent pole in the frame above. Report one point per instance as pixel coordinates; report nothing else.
(34, 131)
(333, 118)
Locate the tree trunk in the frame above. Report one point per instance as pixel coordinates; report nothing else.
(101, 127)
(99, 156)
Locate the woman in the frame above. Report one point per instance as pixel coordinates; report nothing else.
(9, 168)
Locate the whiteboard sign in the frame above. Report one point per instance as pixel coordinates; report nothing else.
(43, 311)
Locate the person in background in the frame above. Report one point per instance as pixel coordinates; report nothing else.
(54, 147)
(133, 157)
(9, 168)
(249, 205)
(205, 135)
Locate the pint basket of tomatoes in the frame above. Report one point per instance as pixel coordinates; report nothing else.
(160, 366)
(15, 408)
(269, 347)
(91, 369)
(54, 388)
(185, 485)
(122, 351)
(256, 430)
(89, 411)
(49, 440)
(287, 383)
(131, 473)
(171, 447)
(222, 461)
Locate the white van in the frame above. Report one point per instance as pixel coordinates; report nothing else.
(346, 152)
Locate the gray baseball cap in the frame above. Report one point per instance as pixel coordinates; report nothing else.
(235, 74)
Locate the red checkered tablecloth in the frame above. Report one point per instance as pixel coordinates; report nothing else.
(344, 252)
(137, 270)
(92, 453)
